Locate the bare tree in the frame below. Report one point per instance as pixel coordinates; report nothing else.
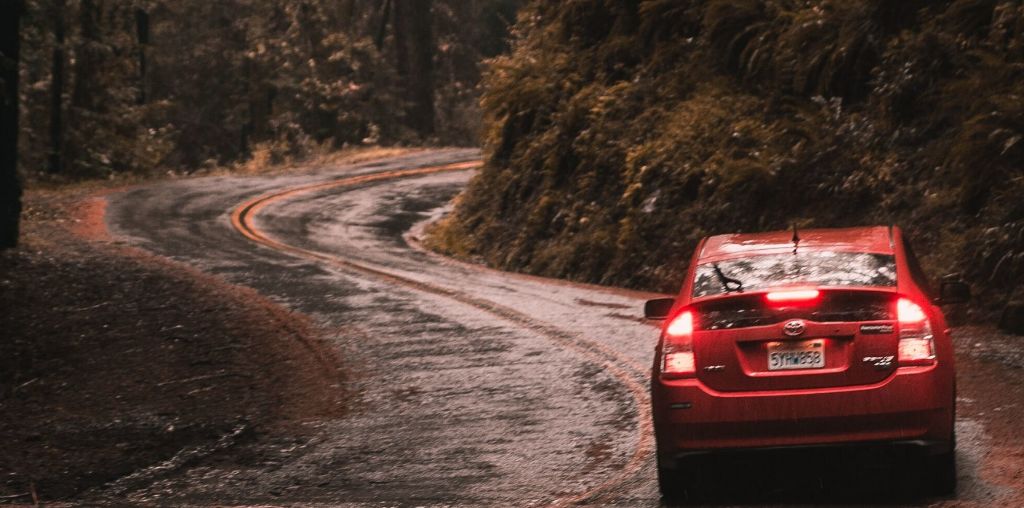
(10, 185)
(57, 90)
(142, 40)
(414, 51)
(86, 61)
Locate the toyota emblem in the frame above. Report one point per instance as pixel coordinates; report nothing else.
(794, 328)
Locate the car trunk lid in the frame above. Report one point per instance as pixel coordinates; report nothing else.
(841, 338)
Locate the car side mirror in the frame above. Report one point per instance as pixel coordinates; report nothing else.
(658, 308)
(952, 290)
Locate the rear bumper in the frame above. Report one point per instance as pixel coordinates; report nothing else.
(842, 453)
(911, 408)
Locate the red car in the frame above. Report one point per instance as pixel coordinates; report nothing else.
(816, 338)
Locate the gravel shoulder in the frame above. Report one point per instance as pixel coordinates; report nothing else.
(117, 366)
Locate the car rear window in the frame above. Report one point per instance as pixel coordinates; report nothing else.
(813, 268)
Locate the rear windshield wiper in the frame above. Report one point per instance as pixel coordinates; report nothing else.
(728, 283)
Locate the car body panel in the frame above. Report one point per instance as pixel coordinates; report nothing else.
(914, 403)
(737, 359)
(735, 402)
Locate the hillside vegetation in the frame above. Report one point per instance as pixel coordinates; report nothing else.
(618, 133)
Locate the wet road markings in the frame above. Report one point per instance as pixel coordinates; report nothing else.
(624, 370)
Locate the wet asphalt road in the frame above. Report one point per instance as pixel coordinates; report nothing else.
(470, 386)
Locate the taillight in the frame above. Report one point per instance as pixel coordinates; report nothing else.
(917, 344)
(682, 325)
(793, 296)
(677, 348)
(909, 312)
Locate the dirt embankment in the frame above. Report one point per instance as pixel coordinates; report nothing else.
(117, 366)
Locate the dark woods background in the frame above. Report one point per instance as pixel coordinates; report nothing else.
(616, 132)
(10, 188)
(127, 86)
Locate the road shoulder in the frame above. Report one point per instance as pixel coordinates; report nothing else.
(118, 365)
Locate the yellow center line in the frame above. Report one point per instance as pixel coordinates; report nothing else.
(623, 369)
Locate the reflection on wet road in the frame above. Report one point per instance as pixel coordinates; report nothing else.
(475, 387)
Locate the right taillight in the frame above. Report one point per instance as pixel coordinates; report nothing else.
(677, 347)
(917, 345)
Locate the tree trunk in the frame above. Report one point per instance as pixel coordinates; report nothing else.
(10, 185)
(142, 40)
(414, 51)
(346, 15)
(83, 93)
(382, 28)
(57, 90)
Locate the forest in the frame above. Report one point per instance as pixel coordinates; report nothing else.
(268, 252)
(617, 134)
(110, 87)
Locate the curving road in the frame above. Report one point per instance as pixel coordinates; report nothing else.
(470, 386)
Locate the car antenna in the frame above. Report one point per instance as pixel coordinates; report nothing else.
(796, 239)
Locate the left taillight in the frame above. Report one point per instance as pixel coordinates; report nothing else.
(917, 343)
(677, 359)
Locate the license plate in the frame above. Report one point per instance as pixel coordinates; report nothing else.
(804, 354)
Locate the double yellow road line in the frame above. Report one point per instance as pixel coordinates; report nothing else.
(623, 369)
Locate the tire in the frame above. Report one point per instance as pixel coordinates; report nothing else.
(940, 470)
(941, 474)
(672, 485)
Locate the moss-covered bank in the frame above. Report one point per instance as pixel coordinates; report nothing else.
(620, 132)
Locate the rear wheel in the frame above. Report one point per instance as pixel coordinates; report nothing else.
(686, 482)
(941, 474)
(672, 485)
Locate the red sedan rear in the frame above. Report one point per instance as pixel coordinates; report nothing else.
(804, 339)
